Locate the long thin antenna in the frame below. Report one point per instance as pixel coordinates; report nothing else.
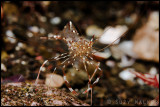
(113, 41)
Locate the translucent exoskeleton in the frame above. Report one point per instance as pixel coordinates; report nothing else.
(80, 51)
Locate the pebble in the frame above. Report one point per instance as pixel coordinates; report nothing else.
(110, 34)
(20, 45)
(140, 81)
(12, 55)
(153, 71)
(54, 80)
(17, 61)
(17, 48)
(23, 62)
(42, 31)
(3, 67)
(57, 102)
(29, 34)
(125, 62)
(34, 103)
(126, 75)
(43, 19)
(110, 63)
(94, 30)
(116, 52)
(11, 36)
(50, 35)
(106, 54)
(34, 29)
(43, 69)
(55, 20)
(131, 19)
(49, 92)
(127, 48)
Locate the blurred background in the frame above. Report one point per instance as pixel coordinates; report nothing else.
(23, 52)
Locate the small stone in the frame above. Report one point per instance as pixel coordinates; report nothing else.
(11, 36)
(34, 29)
(43, 69)
(58, 102)
(127, 48)
(126, 75)
(34, 103)
(94, 30)
(29, 34)
(116, 52)
(43, 19)
(153, 71)
(23, 62)
(125, 62)
(55, 20)
(20, 45)
(12, 55)
(54, 80)
(110, 34)
(42, 31)
(49, 92)
(140, 81)
(103, 55)
(3, 67)
(131, 19)
(110, 63)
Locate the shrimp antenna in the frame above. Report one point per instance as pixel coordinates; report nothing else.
(114, 41)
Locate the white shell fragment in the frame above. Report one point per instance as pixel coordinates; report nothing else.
(110, 34)
(126, 75)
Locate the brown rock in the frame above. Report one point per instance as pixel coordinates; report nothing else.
(146, 39)
(21, 94)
